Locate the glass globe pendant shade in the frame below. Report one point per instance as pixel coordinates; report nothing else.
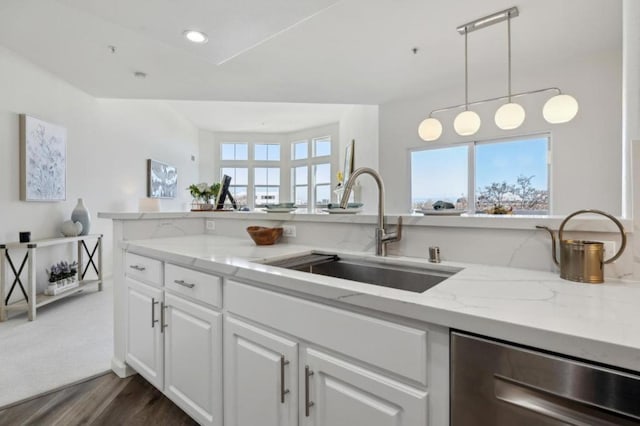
(430, 129)
(510, 116)
(560, 109)
(467, 123)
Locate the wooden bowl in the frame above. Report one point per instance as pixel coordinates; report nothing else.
(263, 236)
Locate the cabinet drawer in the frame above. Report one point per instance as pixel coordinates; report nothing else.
(394, 347)
(143, 268)
(197, 285)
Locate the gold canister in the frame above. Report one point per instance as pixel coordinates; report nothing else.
(582, 261)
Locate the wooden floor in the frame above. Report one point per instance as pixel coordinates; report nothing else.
(104, 400)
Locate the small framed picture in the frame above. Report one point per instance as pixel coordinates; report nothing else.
(43, 160)
(349, 160)
(162, 180)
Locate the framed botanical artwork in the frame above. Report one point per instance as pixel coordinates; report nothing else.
(43, 160)
(162, 180)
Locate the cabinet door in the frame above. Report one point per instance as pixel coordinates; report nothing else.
(260, 377)
(144, 333)
(342, 394)
(193, 359)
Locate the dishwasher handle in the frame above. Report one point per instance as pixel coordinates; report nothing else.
(563, 409)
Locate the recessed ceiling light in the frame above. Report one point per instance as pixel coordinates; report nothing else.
(195, 36)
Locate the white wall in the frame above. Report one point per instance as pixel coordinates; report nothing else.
(107, 147)
(586, 153)
(206, 161)
(360, 123)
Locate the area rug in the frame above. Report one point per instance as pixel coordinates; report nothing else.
(70, 340)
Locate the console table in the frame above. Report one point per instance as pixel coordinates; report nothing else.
(33, 299)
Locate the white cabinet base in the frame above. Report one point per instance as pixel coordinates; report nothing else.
(260, 377)
(193, 359)
(144, 351)
(343, 394)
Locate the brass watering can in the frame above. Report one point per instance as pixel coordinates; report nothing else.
(583, 261)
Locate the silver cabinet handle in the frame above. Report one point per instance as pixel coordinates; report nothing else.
(307, 404)
(137, 267)
(162, 317)
(154, 302)
(184, 283)
(283, 391)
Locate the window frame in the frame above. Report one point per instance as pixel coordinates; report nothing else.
(251, 164)
(310, 162)
(273, 165)
(471, 164)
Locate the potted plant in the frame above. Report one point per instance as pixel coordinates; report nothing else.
(62, 276)
(202, 193)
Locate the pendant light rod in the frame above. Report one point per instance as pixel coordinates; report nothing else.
(488, 20)
(466, 72)
(484, 101)
(509, 50)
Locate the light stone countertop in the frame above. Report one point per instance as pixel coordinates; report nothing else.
(584, 223)
(535, 308)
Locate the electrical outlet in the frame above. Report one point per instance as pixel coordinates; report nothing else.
(609, 249)
(288, 230)
(211, 225)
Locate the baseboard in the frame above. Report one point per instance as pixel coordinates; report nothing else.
(121, 369)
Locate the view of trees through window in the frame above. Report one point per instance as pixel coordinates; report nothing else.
(506, 176)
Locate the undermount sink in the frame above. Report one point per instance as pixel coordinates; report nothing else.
(384, 274)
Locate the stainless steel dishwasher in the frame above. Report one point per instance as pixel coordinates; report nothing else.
(497, 384)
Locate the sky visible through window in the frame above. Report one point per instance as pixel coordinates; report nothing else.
(439, 174)
(442, 174)
(504, 162)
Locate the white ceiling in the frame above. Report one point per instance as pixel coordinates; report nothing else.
(328, 51)
(258, 117)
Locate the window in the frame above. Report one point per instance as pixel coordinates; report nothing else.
(439, 175)
(255, 170)
(266, 172)
(239, 183)
(300, 150)
(322, 147)
(322, 183)
(311, 172)
(301, 186)
(234, 151)
(266, 185)
(266, 152)
(512, 173)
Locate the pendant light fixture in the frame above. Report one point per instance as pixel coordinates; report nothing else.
(510, 115)
(561, 108)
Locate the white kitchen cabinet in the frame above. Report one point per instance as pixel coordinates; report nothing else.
(144, 343)
(338, 393)
(193, 358)
(332, 390)
(173, 342)
(260, 377)
(287, 361)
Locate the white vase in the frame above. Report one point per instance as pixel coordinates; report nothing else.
(81, 214)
